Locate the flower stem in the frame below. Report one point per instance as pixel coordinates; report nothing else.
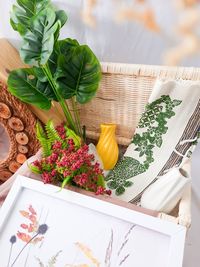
(10, 255)
(78, 123)
(64, 106)
(23, 249)
(84, 133)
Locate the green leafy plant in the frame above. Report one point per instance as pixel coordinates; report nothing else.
(60, 69)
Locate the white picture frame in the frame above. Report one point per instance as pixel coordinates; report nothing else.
(130, 230)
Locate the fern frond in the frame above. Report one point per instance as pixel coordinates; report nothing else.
(52, 134)
(40, 131)
(43, 139)
(46, 147)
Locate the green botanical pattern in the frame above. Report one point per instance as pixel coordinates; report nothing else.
(152, 126)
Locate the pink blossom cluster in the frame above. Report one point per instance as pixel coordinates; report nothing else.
(61, 131)
(75, 165)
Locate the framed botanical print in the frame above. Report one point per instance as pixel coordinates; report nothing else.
(41, 225)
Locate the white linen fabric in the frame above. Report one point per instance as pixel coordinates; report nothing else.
(171, 117)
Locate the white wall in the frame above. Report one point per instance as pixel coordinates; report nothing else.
(128, 43)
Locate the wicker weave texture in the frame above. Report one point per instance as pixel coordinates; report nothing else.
(123, 94)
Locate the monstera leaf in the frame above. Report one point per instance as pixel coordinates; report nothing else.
(39, 41)
(62, 17)
(66, 47)
(60, 69)
(75, 69)
(39, 24)
(78, 71)
(52, 64)
(23, 84)
(21, 15)
(59, 48)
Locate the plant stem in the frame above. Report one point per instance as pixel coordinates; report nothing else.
(23, 249)
(10, 255)
(64, 106)
(57, 111)
(74, 105)
(84, 133)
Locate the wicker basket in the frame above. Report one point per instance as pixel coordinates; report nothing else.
(121, 84)
(123, 94)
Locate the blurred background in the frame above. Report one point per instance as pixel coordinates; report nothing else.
(153, 32)
(130, 31)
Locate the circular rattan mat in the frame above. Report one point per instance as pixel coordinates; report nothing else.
(19, 124)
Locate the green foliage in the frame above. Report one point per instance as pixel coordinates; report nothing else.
(49, 135)
(39, 25)
(66, 181)
(51, 132)
(23, 14)
(34, 169)
(61, 16)
(101, 181)
(61, 69)
(24, 84)
(71, 135)
(78, 71)
(39, 40)
(43, 139)
(66, 47)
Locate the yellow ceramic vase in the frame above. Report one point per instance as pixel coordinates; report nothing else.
(107, 147)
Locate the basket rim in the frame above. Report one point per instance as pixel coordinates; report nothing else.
(157, 71)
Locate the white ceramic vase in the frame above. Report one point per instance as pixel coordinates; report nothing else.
(165, 193)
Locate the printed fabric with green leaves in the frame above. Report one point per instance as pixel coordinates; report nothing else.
(151, 128)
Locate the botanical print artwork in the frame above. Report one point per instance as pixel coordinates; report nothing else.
(89, 254)
(151, 128)
(30, 233)
(51, 262)
(45, 231)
